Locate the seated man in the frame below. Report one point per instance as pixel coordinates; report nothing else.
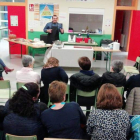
(3, 67)
(132, 82)
(26, 74)
(86, 80)
(115, 77)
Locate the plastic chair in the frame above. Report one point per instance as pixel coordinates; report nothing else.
(19, 85)
(5, 84)
(131, 69)
(87, 94)
(120, 90)
(67, 93)
(13, 137)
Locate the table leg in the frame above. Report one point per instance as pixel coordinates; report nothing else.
(21, 50)
(9, 51)
(95, 55)
(109, 60)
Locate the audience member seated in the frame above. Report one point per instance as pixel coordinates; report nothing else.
(133, 102)
(3, 67)
(108, 121)
(86, 80)
(2, 115)
(23, 112)
(26, 74)
(132, 82)
(135, 127)
(115, 77)
(63, 120)
(51, 72)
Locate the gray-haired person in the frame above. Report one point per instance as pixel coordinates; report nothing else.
(26, 74)
(115, 77)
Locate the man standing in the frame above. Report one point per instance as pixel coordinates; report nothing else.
(53, 28)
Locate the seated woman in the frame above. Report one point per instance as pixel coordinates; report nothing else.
(51, 72)
(5, 68)
(27, 74)
(23, 112)
(86, 80)
(63, 120)
(115, 77)
(108, 121)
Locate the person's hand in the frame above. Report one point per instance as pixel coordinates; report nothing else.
(49, 31)
(62, 30)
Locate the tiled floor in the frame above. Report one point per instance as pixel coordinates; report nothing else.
(15, 62)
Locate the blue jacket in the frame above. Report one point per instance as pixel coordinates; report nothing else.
(50, 24)
(24, 126)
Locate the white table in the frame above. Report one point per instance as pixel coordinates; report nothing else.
(68, 55)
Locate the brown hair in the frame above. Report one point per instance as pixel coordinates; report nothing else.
(54, 16)
(109, 98)
(52, 62)
(57, 91)
(84, 63)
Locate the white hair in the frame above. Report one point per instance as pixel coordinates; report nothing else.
(117, 65)
(27, 60)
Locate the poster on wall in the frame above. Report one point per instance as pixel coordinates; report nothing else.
(36, 12)
(46, 11)
(56, 9)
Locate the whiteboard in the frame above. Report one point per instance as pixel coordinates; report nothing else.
(79, 22)
(82, 19)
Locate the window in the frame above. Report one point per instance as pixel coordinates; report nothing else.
(12, 0)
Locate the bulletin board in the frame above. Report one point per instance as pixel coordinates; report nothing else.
(42, 14)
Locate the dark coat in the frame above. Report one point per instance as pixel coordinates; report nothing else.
(117, 79)
(83, 81)
(24, 126)
(132, 82)
(49, 75)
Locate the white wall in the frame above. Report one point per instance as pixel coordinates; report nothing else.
(138, 4)
(107, 5)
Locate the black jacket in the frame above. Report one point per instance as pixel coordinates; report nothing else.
(117, 79)
(24, 126)
(49, 75)
(83, 81)
(132, 82)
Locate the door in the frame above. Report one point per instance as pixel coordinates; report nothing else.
(19, 30)
(134, 45)
(119, 25)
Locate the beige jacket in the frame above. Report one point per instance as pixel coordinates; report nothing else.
(133, 102)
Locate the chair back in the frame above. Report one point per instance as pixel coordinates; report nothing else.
(87, 94)
(138, 59)
(5, 84)
(19, 85)
(120, 90)
(13, 137)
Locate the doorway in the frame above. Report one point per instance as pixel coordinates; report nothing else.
(122, 26)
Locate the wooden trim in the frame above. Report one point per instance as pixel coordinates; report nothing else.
(114, 20)
(125, 7)
(12, 4)
(128, 41)
(136, 4)
(26, 13)
(133, 2)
